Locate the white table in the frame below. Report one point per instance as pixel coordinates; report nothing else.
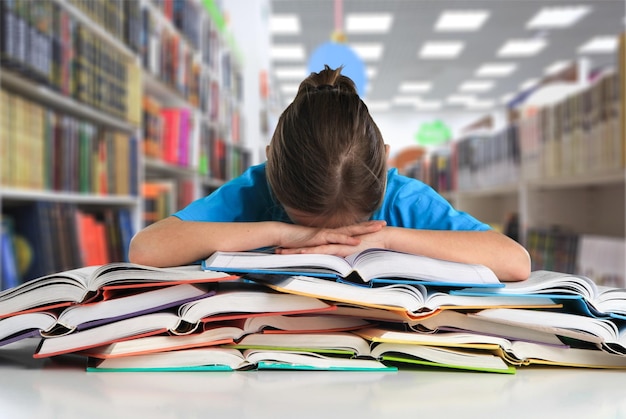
(60, 388)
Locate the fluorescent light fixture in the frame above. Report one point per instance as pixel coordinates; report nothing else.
(292, 52)
(429, 105)
(599, 45)
(557, 17)
(507, 98)
(481, 104)
(441, 49)
(528, 84)
(284, 24)
(415, 86)
(289, 88)
(461, 99)
(368, 22)
(368, 52)
(378, 105)
(476, 86)
(496, 69)
(556, 67)
(370, 72)
(294, 72)
(522, 47)
(461, 20)
(406, 100)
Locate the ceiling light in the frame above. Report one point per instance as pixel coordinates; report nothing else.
(415, 87)
(599, 45)
(378, 106)
(461, 20)
(289, 88)
(371, 72)
(429, 105)
(406, 100)
(557, 17)
(496, 69)
(368, 52)
(481, 104)
(441, 49)
(292, 52)
(284, 24)
(461, 99)
(556, 67)
(476, 86)
(296, 72)
(522, 47)
(528, 84)
(368, 22)
(507, 98)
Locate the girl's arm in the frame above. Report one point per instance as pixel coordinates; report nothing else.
(507, 258)
(173, 242)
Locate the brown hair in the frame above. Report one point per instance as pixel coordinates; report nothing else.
(327, 156)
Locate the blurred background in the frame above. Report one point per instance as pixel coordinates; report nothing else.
(114, 114)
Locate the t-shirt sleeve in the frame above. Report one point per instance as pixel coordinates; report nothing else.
(413, 204)
(244, 199)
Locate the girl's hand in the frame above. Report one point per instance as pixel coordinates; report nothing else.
(341, 241)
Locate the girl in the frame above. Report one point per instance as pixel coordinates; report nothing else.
(325, 188)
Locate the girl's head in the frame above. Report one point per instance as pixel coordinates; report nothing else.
(326, 163)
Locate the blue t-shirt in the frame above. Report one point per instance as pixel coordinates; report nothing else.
(408, 203)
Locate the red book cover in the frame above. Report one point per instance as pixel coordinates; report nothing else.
(171, 135)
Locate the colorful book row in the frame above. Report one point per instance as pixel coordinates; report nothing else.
(42, 238)
(579, 135)
(44, 42)
(44, 149)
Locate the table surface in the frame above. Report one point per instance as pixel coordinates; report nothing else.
(60, 388)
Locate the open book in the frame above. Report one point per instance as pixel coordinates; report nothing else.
(414, 299)
(225, 305)
(85, 284)
(454, 321)
(528, 353)
(370, 265)
(605, 333)
(228, 359)
(83, 316)
(26, 325)
(227, 332)
(351, 344)
(601, 299)
(516, 353)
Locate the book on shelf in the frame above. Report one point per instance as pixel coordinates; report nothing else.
(92, 283)
(56, 236)
(228, 359)
(9, 270)
(410, 301)
(367, 266)
(227, 332)
(226, 304)
(601, 300)
(601, 258)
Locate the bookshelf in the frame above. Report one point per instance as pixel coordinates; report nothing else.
(102, 102)
(559, 168)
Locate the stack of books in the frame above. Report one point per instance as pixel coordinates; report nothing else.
(377, 310)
